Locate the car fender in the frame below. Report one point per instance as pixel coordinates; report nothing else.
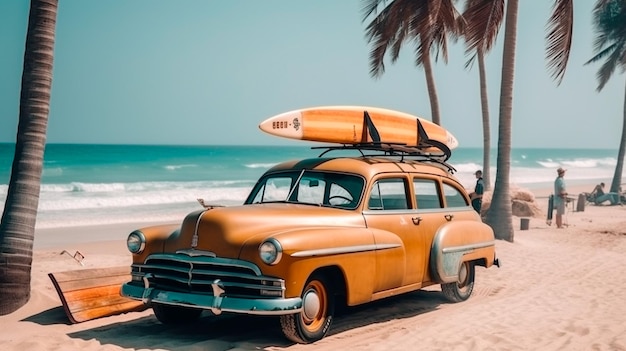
(155, 238)
(355, 252)
(457, 242)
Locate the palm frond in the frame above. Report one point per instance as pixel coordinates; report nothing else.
(470, 61)
(609, 19)
(370, 8)
(446, 26)
(559, 38)
(440, 44)
(483, 20)
(606, 71)
(426, 23)
(602, 54)
(448, 16)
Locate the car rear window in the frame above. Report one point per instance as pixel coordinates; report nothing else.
(454, 198)
(426, 194)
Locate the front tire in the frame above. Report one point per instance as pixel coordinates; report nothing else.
(168, 314)
(461, 289)
(318, 307)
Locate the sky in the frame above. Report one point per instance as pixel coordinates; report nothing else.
(207, 72)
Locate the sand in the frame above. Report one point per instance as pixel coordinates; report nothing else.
(557, 289)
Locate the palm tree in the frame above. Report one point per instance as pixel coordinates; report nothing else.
(610, 45)
(499, 215)
(481, 22)
(425, 22)
(17, 226)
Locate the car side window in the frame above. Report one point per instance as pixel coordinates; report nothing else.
(276, 189)
(328, 189)
(454, 198)
(426, 194)
(388, 194)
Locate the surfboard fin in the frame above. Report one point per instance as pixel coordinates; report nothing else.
(424, 141)
(371, 129)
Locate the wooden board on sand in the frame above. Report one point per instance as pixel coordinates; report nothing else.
(348, 125)
(93, 293)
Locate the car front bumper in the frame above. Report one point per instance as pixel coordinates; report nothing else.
(217, 303)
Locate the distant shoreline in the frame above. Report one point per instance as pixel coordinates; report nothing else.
(75, 236)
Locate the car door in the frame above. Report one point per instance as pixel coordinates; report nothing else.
(438, 202)
(389, 209)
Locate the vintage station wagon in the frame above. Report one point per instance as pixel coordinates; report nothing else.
(314, 233)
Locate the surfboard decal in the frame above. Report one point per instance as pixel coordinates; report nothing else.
(288, 125)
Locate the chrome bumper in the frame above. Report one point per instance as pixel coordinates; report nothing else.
(216, 303)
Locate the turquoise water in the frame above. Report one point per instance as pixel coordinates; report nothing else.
(99, 184)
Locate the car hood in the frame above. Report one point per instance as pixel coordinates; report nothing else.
(224, 230)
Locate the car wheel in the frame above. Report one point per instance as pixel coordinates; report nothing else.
(461, 289)
(168, 314)
(318, 307)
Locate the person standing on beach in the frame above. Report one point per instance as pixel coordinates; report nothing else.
(560, 195)
(479, 189)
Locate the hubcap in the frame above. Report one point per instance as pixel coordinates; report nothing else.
(311, 304)
(463, 275)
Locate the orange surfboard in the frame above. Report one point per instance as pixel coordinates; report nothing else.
(347, 125)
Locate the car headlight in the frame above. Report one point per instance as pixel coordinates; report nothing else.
(136, 242)
(270, 251)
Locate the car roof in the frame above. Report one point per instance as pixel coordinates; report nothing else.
(366, 166)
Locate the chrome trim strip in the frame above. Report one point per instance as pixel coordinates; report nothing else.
(417, 210)
(468, 247)
(194, 238)
(217, 261)
(196, 253)
(217, 304)
(343, 250)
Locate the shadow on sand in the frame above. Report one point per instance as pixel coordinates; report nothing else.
(230, 331)
(52, 316)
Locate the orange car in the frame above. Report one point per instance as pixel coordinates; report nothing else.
(315, 233)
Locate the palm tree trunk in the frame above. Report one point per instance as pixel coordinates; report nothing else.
(484, 103)
(432, 90)
(17, 226)
(499, 215)
(619, 167)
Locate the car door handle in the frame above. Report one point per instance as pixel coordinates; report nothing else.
(449, 217)
(417, 220)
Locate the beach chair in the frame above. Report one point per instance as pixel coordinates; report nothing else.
(589, 198)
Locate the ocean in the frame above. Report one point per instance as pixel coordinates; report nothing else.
(108, 184)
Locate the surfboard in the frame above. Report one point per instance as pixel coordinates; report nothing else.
(347, 125)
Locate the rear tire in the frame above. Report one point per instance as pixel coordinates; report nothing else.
(168, 314)
(318, 307)
(461, 289)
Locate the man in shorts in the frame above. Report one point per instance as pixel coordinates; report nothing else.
(560, 197)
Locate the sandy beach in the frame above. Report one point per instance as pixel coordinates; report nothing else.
(557, 289)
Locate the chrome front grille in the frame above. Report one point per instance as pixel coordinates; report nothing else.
(181, 272)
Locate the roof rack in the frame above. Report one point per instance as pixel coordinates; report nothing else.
(403, 151)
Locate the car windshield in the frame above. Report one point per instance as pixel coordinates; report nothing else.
(309, 187)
